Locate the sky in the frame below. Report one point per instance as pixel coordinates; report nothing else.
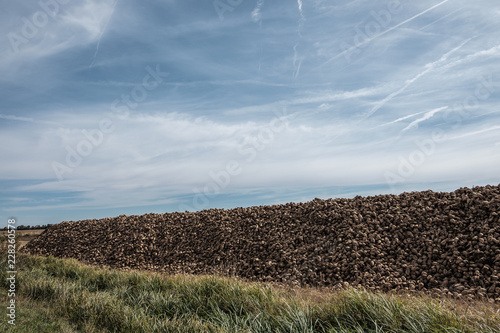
(111, 107)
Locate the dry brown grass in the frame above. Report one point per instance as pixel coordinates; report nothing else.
(67, 296)
(19, 233)
(23, 237)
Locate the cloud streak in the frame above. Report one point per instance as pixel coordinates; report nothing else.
(227, 81)
(29, 120)
(102, 33)
(428, 68)
(426, 116)
(369, 40)
(299, 4)
(257, 12)
(297, 60)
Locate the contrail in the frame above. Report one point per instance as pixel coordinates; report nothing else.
(29, 120)
(257, 18)
(400, 119)
(493, 128)
(426, 116)
(493, 51)
(381, 34)
(441, 18)
(299, 3)
(430, 67)
(408, 83)
(102, 33)
(299, 34)
(295, 59)
(256, 12)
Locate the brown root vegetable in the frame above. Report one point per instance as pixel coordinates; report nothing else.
(448, 242)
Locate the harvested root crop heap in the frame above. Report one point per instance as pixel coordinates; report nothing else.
(447, 242)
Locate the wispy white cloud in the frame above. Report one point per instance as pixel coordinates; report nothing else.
(257, 11)
(442, 18)
(474, 133)
(74, 25)
(102, 32)
(347, 125)
(402, 118)
(319, 96)
(297, 59)
(428, 68)
(28, 119)
(91, 16)
(486, 53)
(426, 116)
(368, 40)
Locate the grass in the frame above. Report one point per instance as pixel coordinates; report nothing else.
(27, 234)
(62, 295)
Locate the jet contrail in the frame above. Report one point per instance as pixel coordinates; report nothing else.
(426, 116)
(256, 12)
(102, 33)
(408, 83)
(381, 34)
(26, 119)
(295, 52)
(401, 119)
(299, 3)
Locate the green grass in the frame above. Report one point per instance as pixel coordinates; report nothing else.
(56, 295)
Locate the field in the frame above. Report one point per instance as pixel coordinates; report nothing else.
(63, 295)
(438, 242)
(416, 262)
(22, 237)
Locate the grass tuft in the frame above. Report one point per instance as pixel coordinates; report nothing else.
(63, 295)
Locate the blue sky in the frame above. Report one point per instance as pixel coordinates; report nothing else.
(127, 107)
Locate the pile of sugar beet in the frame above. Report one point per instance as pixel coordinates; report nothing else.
(429, 241)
